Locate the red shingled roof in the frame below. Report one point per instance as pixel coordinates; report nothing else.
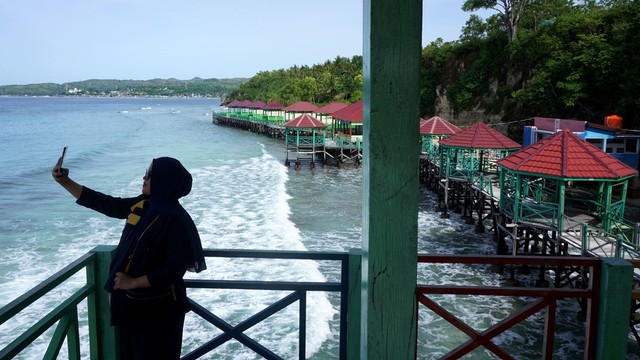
(257, 105)
(565, 155)
(245, 103)
(273, 106)
(301, 106)
(480, 136)
(351, 113)
(437, 126)
(305, 121)
(331, 107)
(234, 103)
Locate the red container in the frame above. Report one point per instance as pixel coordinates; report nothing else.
(613, 121)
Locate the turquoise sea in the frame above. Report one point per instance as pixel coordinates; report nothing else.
(243, 198)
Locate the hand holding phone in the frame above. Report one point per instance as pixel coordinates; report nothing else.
(61, 160)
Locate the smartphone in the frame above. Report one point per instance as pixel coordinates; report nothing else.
(64, 152)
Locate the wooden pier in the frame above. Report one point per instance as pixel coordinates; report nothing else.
(535, 215)
(270, 129)
(303, 145)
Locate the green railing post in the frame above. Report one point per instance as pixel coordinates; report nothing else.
(354, 308)
(619, 247)
(615, 306)
(102, 335)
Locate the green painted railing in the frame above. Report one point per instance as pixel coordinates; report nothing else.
(103, 343)
(102, 337)
(486, 183)
(346, 143)
(298, 293)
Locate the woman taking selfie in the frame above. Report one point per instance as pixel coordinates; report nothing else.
(159, 243)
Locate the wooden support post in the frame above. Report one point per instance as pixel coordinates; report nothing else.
(445, 203)
(391, 69)
(614, 308)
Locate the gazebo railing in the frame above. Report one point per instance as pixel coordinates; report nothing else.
(538, 212)
(626, 230)
(305, 141)
(485, 182)
(597, 242)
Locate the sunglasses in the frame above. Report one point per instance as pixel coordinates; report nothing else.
(147, 174)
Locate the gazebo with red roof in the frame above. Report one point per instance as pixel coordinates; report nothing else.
(347, 124)
(304, 136)
(233, 103)
(471, 153)
(298, 108)
(256, 109)
(431, 132)
(274, 112)
(563, 175)
(233, 107)
(244, 108)
(324, 112)
(246, 103)
(331, 108)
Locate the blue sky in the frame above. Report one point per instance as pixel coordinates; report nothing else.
(72, 40)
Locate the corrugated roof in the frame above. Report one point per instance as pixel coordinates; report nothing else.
(351, 113)
(305, 121)
(273, 106)
(480, 136)
(565, 155)
(437, 126)
(301, 106)
(331, 107)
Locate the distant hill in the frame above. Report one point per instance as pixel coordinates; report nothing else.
(124, 88)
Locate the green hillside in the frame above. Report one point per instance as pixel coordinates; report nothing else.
(154, 87)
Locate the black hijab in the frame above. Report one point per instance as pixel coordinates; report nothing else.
(171, 181)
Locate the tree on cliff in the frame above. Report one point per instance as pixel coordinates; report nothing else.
(510, 12)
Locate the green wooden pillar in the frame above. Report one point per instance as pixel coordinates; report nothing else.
(623, 195)
(517, 201)
(391, 69)
(503, 190)
(606, 215)
(562, 185)
(102, 336)
(614, 309)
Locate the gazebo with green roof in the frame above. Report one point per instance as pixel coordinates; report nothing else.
(563, 181)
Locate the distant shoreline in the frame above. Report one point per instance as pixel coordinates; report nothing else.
(116, 97)
(195, 87)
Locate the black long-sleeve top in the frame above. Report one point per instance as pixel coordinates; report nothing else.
(163, 260)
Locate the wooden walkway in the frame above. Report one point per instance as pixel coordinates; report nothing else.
(581, 231)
